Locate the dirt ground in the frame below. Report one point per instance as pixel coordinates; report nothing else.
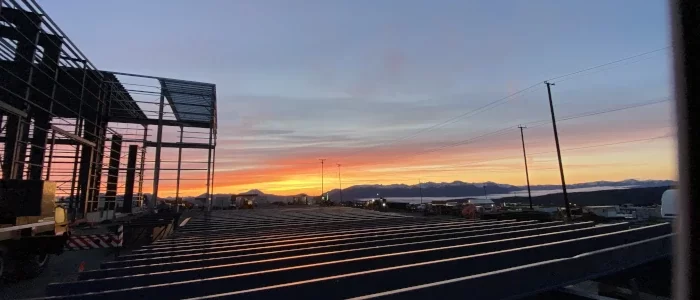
(62, 268)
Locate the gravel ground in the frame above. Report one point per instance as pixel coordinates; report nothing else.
(62, 268)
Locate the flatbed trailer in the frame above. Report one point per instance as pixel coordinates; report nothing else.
(32, 227)
(25, 250)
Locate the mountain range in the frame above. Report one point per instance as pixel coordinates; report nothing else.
(446, 189)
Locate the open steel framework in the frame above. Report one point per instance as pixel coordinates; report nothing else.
(344, 253)
(64, 120)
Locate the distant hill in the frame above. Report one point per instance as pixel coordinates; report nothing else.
(267, 197)
(447, 189)
(637, 196)
(461, 189)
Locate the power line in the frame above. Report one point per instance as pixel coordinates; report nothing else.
(500, 101)
(598, 112)
(449, 121)
(605, 69)
(609, 144)
(529, 124)
(545, 152)
(517, 156)
(536, 123)
(609, 63)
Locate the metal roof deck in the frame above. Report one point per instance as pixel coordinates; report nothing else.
(334, 253)
(193, 104)
(190, 101)
(71, 88)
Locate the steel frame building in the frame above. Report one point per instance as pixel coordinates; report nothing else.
(64, 120)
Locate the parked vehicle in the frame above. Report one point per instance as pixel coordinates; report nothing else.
(32, 228)
(668, 203)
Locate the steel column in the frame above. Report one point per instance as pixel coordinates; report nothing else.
(42, 119)
(85, 174)
(685, 17)
(21, 148)
(159, 140)
(142, 165)
(130, 177)
(113, 173)
(209, 198)
(24, 55)
(99, 139)
(73, 205)
(50, 162)
(213, 167)
(179, 166)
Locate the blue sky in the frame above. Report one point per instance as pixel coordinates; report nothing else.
(299, 80)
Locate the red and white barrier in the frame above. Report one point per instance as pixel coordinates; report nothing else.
(96, 241)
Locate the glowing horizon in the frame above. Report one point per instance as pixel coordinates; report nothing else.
(296, 83)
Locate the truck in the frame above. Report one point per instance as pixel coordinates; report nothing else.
(668, 203)
(244, 201)
(32, 227)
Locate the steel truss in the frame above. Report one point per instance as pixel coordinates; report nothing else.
(64, 120)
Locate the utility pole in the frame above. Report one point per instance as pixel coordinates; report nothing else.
(485, 195)
(322, 160)
(340, 185)
(556, 141)
(420, 188)
(527, 175)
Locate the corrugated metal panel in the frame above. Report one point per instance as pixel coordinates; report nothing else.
(334, 253)
(191, 101)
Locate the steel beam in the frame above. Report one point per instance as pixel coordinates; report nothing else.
(12, 110)
(369, 273)
(540, 277)
(164, 122)
(180, 145)
(74, 137)
(364, 246)
(282, 260)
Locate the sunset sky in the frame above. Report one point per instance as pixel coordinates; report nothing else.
(364, 84)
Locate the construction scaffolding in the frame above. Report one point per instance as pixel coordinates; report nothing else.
(64, 120)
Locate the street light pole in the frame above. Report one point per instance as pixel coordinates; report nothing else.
(340, 185)
(322, 160)
(420, 188)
